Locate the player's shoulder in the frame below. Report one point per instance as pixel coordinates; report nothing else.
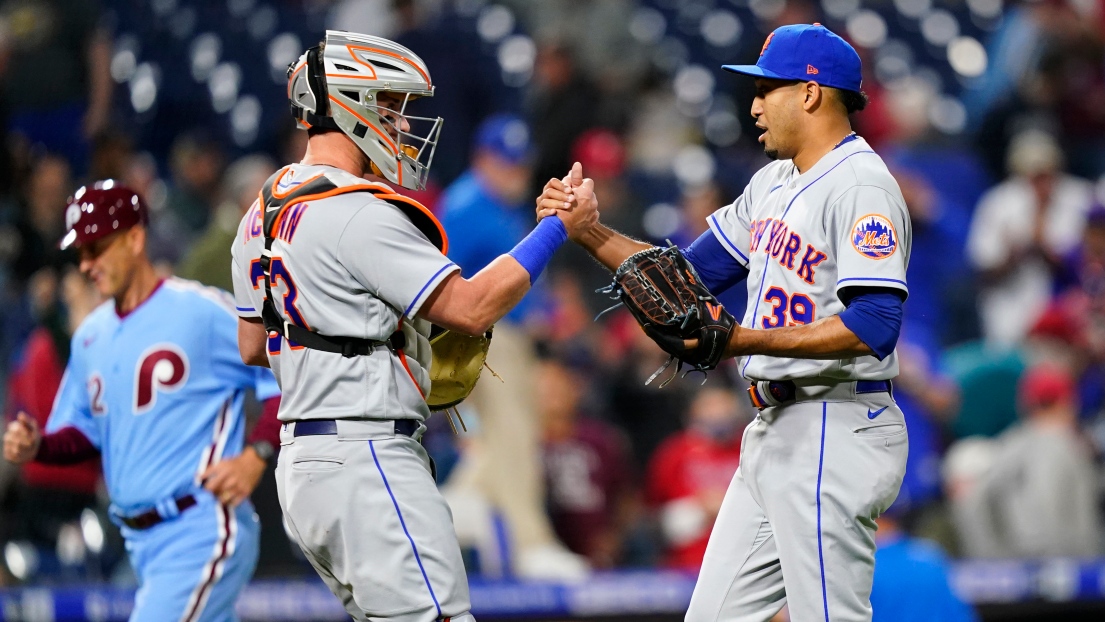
(769, 177)
(861, 167)
(100, 317)
(186, 295)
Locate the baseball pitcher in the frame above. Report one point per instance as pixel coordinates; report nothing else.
(821, 237)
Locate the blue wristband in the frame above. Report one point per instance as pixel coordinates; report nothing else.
(537, 248)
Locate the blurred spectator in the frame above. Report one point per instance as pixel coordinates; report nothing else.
(208, 260)
(939, 289)
(604, 47)
(485, 212)
(1022, 227)
(1040, 498)
(912, 578)
(602, 154)
(1083, 275)
(561, 106)
(691, 470)
(649, 414)
(1045, 71)
(56, 58)
(587, 470)
(468, 80)
(965, 464)
(51, 495)
(42, 222)
(197, 166)
(488, 209)
(987, 381)
(928, 399)
(112, 153)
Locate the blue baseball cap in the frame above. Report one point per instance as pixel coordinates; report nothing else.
(806, 52)
(507, 136)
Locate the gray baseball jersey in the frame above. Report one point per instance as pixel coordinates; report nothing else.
(349, 265)
(797, 523)
(804, 237)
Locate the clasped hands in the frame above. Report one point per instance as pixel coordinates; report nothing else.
(573, 200)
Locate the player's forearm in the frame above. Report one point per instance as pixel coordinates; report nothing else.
(471, 306)
(609, 247)
(497, 289)
(99, 74)
(66, 446)
(252, 342)
(827, 338)
(267, 428)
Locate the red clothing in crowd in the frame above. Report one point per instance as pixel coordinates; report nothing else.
(690, 465)
(31, 388)
(586, 476)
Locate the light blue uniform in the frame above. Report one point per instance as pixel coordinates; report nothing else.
(159, 391)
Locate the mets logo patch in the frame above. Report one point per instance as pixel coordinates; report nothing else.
(873, 236)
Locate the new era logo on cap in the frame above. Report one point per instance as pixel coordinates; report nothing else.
(799, 51)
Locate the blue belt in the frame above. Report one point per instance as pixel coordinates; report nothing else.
(323, 427)
(785, 391)
(874, 386)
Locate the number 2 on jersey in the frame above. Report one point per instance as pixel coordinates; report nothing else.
(798, 306)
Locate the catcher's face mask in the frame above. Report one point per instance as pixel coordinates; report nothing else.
(340, 85)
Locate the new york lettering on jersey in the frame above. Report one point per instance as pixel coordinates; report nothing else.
(804, 238)
(161, 405)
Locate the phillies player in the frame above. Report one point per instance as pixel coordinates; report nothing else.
(155, 385)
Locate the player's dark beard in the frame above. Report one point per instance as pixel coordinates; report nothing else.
(771, 153)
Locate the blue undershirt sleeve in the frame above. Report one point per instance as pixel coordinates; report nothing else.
(875, 316)
(715, 266)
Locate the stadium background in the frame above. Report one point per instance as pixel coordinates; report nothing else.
(990, 113)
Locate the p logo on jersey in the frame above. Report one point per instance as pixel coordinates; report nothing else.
(873, 236)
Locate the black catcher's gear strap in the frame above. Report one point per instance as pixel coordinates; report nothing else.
(274, 207)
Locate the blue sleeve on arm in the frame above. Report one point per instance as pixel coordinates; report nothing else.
(717, 268)
(875, 316)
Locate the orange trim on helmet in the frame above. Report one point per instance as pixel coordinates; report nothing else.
(387, 139)
(291, 78)
(358, 59)
(350, 77)
(387, 53)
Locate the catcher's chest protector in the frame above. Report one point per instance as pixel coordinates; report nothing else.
(276, 203)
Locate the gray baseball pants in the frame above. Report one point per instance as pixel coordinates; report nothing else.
(364, 508)
(797, 523)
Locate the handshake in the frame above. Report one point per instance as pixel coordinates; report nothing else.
(659, 286)
(573, 200)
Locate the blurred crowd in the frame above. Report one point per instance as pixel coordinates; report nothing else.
(574, 458)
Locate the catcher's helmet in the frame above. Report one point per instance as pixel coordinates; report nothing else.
(335, 86)
(101, 209)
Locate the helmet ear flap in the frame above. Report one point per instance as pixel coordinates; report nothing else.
(316, 80)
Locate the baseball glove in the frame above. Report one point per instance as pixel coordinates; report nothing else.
(458, 360)
(662, 290)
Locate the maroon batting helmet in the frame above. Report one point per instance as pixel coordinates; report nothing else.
(101, 209)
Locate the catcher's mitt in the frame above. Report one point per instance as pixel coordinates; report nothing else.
(457, 363)
(662, 290)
